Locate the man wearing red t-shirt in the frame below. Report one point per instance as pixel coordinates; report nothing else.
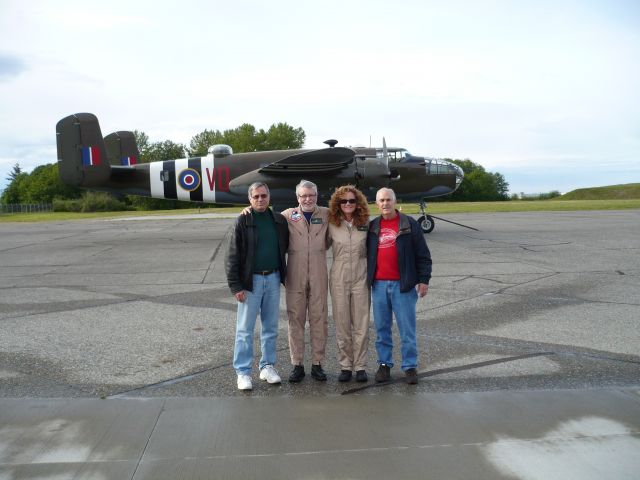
(398, 271)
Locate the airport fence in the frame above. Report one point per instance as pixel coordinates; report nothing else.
(25, 207)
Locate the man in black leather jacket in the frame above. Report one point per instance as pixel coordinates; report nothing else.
(255, 265)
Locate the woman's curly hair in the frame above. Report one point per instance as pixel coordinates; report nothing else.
(360, 214)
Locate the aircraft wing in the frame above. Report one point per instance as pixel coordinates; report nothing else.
(313, 161)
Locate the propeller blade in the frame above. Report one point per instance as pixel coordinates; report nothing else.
(385, 157)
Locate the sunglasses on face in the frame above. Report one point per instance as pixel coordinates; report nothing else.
(344, 201)
(261, 195)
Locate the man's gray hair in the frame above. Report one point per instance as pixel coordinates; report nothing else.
(255, 185)
(306, 184)
(393, 194)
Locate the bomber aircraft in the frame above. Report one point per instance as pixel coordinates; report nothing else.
(87, 160)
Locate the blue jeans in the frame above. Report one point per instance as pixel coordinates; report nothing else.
(387, 299)
(265, 300)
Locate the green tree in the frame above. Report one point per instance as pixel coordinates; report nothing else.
(40, 186)
(13, 193)
(243, 138)
(200, 143)
(44, 184)
(282, 136)
(502, 186)
(15, 171)
(478, 184)
(142, 140)
(246, 138)
(166, 150)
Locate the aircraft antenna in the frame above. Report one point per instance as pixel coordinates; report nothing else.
(331, 142)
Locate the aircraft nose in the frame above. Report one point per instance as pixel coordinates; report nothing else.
(459, 174)
(437, 166)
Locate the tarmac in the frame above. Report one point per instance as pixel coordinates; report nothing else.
(116, 340)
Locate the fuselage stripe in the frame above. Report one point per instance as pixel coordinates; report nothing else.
(170, 183)
(195, 164)
(208, 179)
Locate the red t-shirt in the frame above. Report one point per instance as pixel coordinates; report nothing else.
(387, 264)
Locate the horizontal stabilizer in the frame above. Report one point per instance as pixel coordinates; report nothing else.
(317, 161)
(82, 157)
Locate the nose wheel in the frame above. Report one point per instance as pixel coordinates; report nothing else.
(425, 221)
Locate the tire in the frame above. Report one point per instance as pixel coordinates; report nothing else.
(427, 224)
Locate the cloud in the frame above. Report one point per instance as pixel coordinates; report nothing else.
(10, 66)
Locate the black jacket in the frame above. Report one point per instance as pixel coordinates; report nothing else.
(414, 258)
(241, 249)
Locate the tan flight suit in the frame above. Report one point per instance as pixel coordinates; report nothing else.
(306, 287)
(350, 294)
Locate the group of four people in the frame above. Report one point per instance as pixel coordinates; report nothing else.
(387, 257)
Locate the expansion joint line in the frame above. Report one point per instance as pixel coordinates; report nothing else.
(459, 368)
(216, 251)
(146, 445)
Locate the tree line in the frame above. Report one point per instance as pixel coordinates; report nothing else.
(43, 184)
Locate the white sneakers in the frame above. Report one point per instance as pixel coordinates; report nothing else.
(244, 382)
(269, 374)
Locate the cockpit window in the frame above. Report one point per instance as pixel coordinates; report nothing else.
(395, 154)
(441, 167)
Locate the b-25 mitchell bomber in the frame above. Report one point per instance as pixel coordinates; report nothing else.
(87, 160)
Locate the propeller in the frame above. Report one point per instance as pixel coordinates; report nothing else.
(385, 157)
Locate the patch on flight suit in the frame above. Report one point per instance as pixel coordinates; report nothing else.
(363, 228)
(295, 216)
(316, 220)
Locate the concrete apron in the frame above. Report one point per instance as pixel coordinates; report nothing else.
(565, 434)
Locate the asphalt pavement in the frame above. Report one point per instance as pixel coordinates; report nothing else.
(116, 340)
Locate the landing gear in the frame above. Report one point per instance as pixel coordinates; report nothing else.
(425, 221)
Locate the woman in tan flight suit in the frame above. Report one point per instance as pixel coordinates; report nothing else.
(348, 226)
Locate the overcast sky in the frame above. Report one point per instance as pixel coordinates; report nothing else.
(544, 92)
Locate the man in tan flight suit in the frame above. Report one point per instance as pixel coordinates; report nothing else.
(306, 288)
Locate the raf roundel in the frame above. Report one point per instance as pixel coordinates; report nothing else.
(189, 179)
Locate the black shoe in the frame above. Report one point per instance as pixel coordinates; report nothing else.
(297, 374)
(361, 376)
(384, 373)
(412, 376)
(345, 376)
(318, 373)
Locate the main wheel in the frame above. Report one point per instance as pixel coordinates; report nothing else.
(426, 223)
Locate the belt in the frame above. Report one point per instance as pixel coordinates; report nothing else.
(265, 272)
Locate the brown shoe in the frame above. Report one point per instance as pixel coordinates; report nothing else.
(384, 373)
(412, 376)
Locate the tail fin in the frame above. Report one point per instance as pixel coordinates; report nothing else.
(122, 148)
(82, 157)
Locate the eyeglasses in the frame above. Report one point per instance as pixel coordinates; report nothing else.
(261, 195)
(344, 201)
(304, 197)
